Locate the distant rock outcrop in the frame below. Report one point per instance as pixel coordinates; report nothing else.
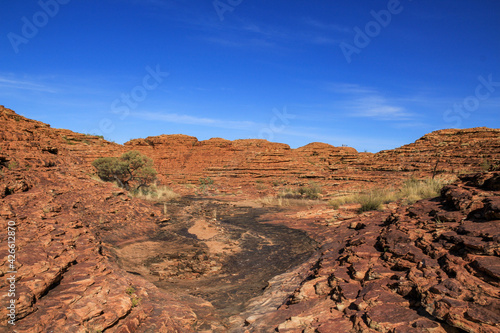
(184, 159)
(430, 267)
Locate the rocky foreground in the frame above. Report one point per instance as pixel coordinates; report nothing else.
(430, 267)
(90, 258)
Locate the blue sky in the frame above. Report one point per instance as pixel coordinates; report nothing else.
(369, 74)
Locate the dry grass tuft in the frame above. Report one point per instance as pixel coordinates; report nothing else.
(311, 192)
(157, 193)
(280, 201)
(96, 178)
(410, 192)
(271, 200)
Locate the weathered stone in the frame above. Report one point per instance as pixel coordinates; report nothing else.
(377, 271)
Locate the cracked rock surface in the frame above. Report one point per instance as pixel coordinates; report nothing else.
(90, 258)
(430, 267)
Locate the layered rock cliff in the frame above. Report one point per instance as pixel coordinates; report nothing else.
(89, 257)
(183, 159)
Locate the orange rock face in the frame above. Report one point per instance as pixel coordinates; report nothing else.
(429, 267)
(184, 160)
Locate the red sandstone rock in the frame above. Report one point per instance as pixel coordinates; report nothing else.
(430, 267)
(383, 277)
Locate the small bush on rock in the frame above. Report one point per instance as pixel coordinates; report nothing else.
(131, 171)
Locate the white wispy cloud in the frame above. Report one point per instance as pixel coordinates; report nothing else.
(192, 120)
(365, 102)
(326, 26)
(322, 40)
(254, 33)
(349, 88)
(24, 85)
(251, 43)
(322, 33)
(377, 107)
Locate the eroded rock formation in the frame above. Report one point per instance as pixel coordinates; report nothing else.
(429, 267)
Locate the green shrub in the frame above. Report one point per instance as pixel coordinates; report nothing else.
(133, 297)
(13, 165)
(131, 170)
(135, 301)
(490, 165)
(312, 191)
(206, 181)
(485, 165)
(130, 290)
